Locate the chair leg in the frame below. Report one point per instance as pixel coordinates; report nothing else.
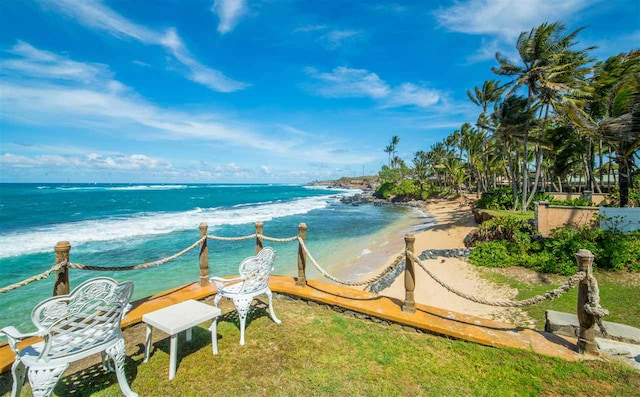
(273, 315)
(242, 307)
(216, 300)
(106, 363)
(117, 354)
(43, 380)
(18, 372)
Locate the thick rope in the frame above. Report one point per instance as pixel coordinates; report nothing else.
(371, 280)
(140, 266)
(30, 280)
(240, 238)
(278, 240)
(569, 284)
(592, 306)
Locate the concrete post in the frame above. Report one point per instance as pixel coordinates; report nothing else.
(61, 283)
(204, 256)
(301, 281)
(409, 305)
(259, 230)
(586, 337)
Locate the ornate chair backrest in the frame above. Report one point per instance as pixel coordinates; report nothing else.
(89, 316)
(256, 270)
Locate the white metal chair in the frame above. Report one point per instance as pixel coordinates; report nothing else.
(253, 281)
(74, 326)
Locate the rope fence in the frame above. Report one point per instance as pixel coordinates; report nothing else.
(571, 283)
(584, 277)
(30, 280)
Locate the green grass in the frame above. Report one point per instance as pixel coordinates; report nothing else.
(517, 215)
(317, 352)
(618, 294)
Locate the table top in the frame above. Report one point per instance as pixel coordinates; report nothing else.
(181, 316)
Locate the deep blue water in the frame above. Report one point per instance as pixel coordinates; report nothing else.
(122, 224)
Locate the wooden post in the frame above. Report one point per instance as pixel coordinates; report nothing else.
(61, 284)
(409, 305)
(204, 256)
(259, 229)
(586, 337)
(301, 281)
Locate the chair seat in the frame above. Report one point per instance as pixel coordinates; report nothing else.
(30, 355)
(237, 290)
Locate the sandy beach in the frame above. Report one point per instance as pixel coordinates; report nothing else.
(453, 221)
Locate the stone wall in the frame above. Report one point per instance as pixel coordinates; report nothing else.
(549, 217)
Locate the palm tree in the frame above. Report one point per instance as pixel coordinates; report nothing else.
(549, 67)
(613, 113)
(390, 149)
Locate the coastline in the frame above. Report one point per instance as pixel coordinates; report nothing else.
(444, 226)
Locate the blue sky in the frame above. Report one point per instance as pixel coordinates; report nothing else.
(256, 90)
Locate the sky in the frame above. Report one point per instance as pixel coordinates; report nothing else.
(246, 91)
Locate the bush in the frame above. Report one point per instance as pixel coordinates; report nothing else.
(496, 199)
(491, 254)
(507, 228)
(512, 243)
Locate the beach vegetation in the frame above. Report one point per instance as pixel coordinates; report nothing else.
(560, 121)
(507, 241)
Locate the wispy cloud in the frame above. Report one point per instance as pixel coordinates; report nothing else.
(504, 20)
(344, 82)
(229, 13)
(51, 94)
(330, 38)
(97, 16)
(135, 162)
(336, 38)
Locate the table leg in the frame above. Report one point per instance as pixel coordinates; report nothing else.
(189, 335)
(147, 344)
(214, 335)
(172, 356)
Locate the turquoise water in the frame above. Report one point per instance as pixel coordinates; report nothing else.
(121, 224)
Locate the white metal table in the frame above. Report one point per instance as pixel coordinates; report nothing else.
(177, 318)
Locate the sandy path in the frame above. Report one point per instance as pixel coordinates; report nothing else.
(453, 222)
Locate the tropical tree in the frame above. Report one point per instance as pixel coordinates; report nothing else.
(550, 67)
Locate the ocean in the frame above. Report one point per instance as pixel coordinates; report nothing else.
(128, 224)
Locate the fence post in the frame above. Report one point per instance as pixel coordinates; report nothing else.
(586, 337)
(301, 281)
(409, 305)
(204, 256)
(61, 283)
(259, 230)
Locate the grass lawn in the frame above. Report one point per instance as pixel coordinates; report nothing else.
(619, 293)
(517, 214)
(318, 352)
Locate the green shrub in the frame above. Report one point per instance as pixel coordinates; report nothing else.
(502, 228)
(491, 254)
(496, 199)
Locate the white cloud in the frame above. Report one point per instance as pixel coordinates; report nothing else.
(96, 15)
(504, 20)
(335, 38)
(135, 162)
(265, 169)
(95, 99)
(344, 82)
(311, 28)
(411, 94)
(229, 12)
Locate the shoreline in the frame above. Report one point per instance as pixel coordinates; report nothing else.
(449, 222)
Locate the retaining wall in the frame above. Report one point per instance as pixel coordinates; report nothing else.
(549, 217)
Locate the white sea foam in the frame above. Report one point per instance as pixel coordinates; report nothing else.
(364, 252)
(43, 239)
(132, 187)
